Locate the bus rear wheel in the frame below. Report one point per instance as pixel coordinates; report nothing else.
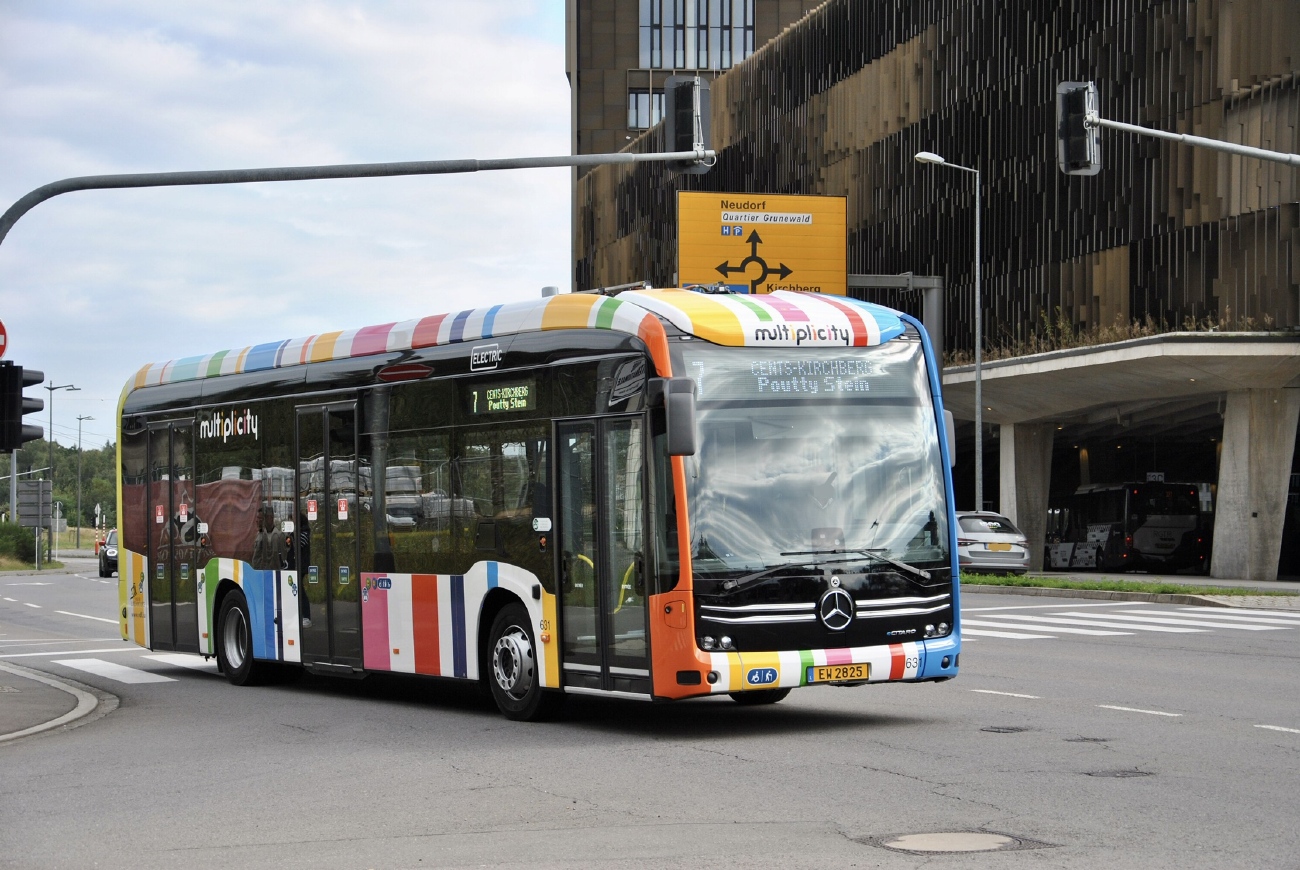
(759, 696)
(513, 674)
(235, 642)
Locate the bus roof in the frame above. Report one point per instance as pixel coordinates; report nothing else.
(780, 319)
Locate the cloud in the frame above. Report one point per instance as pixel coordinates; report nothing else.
(95, 284)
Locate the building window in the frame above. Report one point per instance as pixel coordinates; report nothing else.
(695, 34)
(644, 109)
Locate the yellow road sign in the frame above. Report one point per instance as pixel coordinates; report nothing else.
(757, 243)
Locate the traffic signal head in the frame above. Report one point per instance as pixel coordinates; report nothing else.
(1078, 144)
(687, 119)
(13, 405)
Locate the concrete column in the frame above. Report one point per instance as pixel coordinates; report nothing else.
(1024, 478)
(1259, 429)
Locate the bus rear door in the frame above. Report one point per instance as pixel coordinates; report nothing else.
(328, 554)
(600, 485)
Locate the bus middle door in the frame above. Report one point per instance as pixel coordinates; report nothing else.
(600, 484)
(327, 551)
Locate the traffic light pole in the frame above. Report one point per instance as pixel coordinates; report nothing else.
(344, 170)
(1198, 141)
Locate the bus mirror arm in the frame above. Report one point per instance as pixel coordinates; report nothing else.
(679, 409)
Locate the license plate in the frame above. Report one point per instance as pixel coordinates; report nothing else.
(837, 673)
(1001, 548)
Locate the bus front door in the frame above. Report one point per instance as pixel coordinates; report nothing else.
(174, 551)
(600, 483)
(326, 539)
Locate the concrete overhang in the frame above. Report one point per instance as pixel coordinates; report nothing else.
(1079, 383)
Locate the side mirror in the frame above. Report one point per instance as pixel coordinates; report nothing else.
(679, 412)
(950, 426)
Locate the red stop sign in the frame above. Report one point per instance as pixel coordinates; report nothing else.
(4, 338)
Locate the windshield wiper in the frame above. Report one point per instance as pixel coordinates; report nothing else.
(870, 554)
(750, 579)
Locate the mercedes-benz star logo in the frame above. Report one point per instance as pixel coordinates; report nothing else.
(836, 609)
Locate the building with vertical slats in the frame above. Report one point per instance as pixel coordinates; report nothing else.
(837, 98)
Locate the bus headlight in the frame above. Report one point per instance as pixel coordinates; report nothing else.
(725, 642)
(707, 642)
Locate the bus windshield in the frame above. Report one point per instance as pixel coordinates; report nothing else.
(813, 456)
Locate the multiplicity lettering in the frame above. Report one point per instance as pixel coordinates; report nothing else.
(224, 424)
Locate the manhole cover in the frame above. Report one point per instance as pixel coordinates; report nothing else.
(1119, 774)
(953, 842)
(1004, 729)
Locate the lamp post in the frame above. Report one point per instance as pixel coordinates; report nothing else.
(51, 387)
(80, 418)
(930, 157)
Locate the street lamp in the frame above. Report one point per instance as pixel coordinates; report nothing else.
(930, 157)
(79, 419)
(50, 386)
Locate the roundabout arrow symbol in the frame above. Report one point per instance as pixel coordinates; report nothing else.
(754, 240)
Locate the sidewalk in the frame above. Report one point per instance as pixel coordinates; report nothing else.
(32, 702)
(1290, 601)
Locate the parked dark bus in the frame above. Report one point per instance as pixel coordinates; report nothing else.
(1152, 526)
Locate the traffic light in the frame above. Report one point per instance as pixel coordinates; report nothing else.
(1078, 145)
(687, 122)
(13, 405)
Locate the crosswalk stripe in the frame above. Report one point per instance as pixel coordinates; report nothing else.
(1271, 616)
(1223, 615)
(1133, 626)
(114, 671)
(1188, 621)
(194, 663)
(1058, 628)
(1014, 635)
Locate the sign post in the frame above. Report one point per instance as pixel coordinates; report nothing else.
(757, 243)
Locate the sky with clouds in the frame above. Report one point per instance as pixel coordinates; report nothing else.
(94, 284)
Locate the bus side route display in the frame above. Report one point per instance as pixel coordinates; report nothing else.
(504, 397)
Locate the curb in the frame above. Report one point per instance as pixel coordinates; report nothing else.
(88, 702)
(1105, 595)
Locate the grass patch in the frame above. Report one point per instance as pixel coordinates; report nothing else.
(9, 563)
(1107, 585)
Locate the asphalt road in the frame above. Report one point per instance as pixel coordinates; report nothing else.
(1117, 746)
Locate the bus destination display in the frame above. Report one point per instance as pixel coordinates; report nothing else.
(797, 375)
(508, 397)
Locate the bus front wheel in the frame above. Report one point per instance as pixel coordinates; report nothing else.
(513, 673)
(235, 642)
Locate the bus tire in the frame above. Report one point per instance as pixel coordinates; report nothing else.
(759, 697)
(512, 671)
(235, 642)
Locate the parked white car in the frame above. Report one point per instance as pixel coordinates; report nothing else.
(989, 543)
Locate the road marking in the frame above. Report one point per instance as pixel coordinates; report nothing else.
(68, 652)
(1008, 694)
(987, 624)
(35, 583)
(1042, 606)
(1202, 623)
(1280, 728)
(1014, 635)
(1089, 620)
(194, 663)
(84, 616)
(114, 671)
(1294, 616)
(29, 604)
(1136, 710)
(1294, 622)
(14, 600)
(36, 641)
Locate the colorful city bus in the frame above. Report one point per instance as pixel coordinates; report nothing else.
(655, 494)
(1149, 525)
